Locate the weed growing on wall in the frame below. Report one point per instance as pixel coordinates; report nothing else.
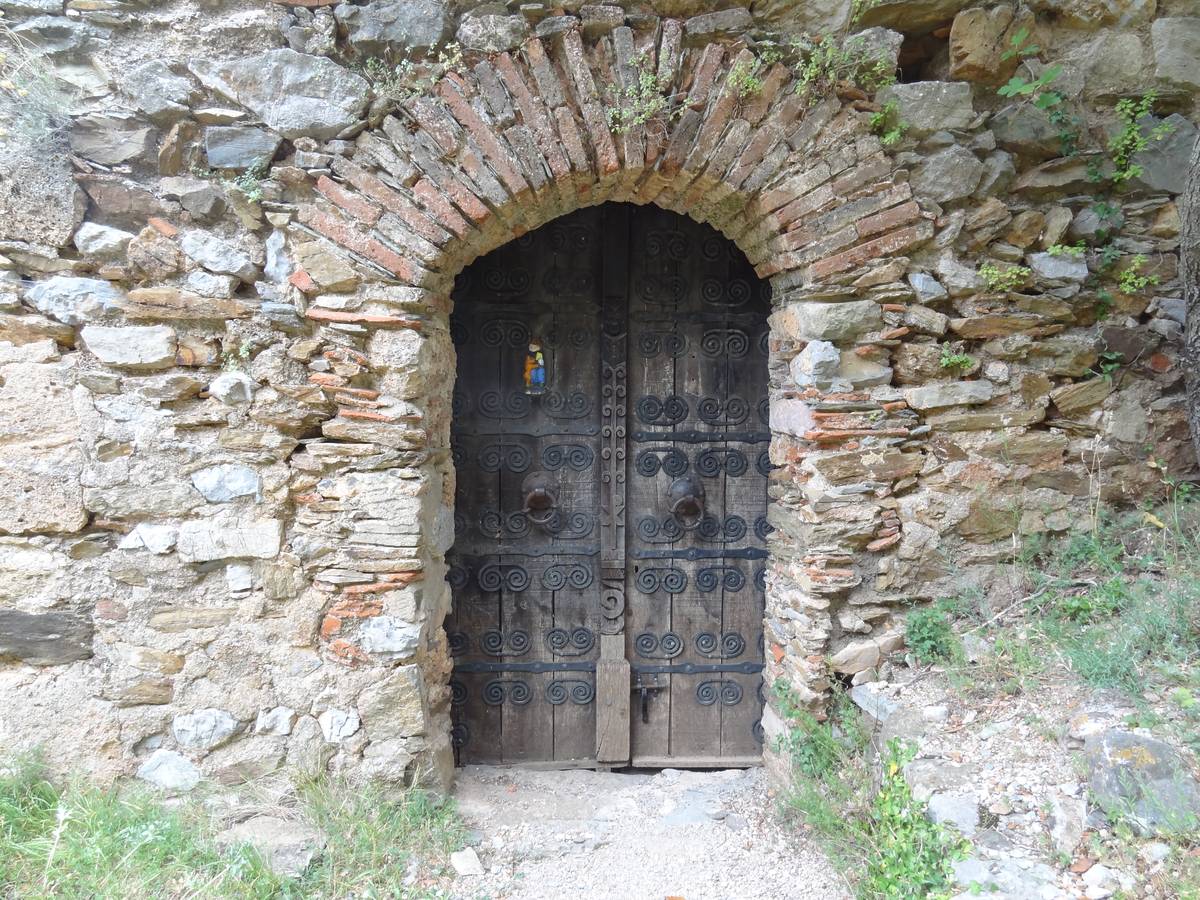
(1006, 279)
(34, 103)
(955, 359)
(642, 101)
(398, 81)
(888, 125)
(825, 62)
(860, 807)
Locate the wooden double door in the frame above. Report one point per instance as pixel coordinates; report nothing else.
(610, 442)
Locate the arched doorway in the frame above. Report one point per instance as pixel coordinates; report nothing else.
(610, 443)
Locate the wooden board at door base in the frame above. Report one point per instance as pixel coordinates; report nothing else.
(610, 443)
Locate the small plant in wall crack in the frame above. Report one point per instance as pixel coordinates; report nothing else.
(643, 100)
(1132, 138)
(403, 79)
(955, 359)
(1131, 281)
(827, 61)
(33, 101)
(249, 183)
(888, 125)
(1008, 279)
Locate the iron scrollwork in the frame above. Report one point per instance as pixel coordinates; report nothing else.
(513, 690)
(729, 578)
(493, 643)
(576, 642)
(672, 462)
(729, 693)
(666, 411)
(495, 576)
(729, 646)
(652, 646)
(579, 691)
(712, 461)
(561, 575)
(673, 581)
(575, 456)
(514, 458)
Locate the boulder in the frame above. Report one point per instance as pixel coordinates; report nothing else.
(829, 321)
(294, 94)
(227, 481)
(230, 538)
(392, 26)
(204, 729)
(1063, 267)
(711, 26)
(1165, 163)
(979, 39)
(217, 256)
(138, 347)
(169, 770)
(338, 724)
(950, 174)
(1177, 51)
(1095, 13)
(73, 301)
(112, 138)
(232, 388)
(912, 16)
(100, 241)
(240, 146)
(1142, 780)
(395, 706)
(950, 393)
(278, 721)
(1027, 131)
(44, 639)
(287, 846)
(160, 94)
(929, 106)
(488, 33)
(927, 288)
(816, 365)
(389, 638)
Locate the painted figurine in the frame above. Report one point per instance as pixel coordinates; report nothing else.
(535, 369)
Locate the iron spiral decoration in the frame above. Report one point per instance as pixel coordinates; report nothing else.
(710, 578)
(493, 643)
(662, 290)
(567, 282)
(513, 405)
(579, 691)
(574, 456)
(764, 411)
(762, 528)
(570, 526)
(512, 457)
(731, 528)
(557, 405)
(671, 410)
(673, 581)
(760, 579)
(496, 524)
(458, 692)
(495, 576)
(672, 244)
(729, 693)
(672, 462)
(655, 343)
(724, 342)
(652, 531)
(458, 642)
(713, 412)
(652, 646)
(507, 280)
(574, 575)
(504, 333)
(576, 642)
(460, 735)
(713, 460)
(763, 463)
(514, 691)
(756, 731)
(457, 577)
(729, 646)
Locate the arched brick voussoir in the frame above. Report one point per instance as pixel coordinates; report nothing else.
(520, 139)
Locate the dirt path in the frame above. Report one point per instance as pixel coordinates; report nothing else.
(595, 835)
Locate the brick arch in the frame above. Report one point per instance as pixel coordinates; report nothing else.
(805, 191)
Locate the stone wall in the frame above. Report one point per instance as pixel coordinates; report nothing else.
(225, 368)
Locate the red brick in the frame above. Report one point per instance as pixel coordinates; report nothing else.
(162, 226)
(497, 154)
(302, 281)
(343, 234)
(534, 114)
(393, 201)
(1161, 363)
(330, 625)
(888, 219)
(356, 206)
(347, 653)
(442, 210)
(883, 543)
(572, 140)
(888, 245)
(356, 608)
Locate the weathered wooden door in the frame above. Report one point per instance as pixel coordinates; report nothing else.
(610, 442)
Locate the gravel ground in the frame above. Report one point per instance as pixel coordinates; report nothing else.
(634, 836)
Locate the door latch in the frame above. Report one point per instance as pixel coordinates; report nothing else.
(644, 684)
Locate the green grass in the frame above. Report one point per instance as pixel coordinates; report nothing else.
(76, 840)
(861, 809)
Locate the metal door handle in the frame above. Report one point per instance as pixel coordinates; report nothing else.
(687, 502)
(541, 498)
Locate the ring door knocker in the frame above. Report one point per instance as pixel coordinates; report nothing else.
(541, 498)
(686, 496)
